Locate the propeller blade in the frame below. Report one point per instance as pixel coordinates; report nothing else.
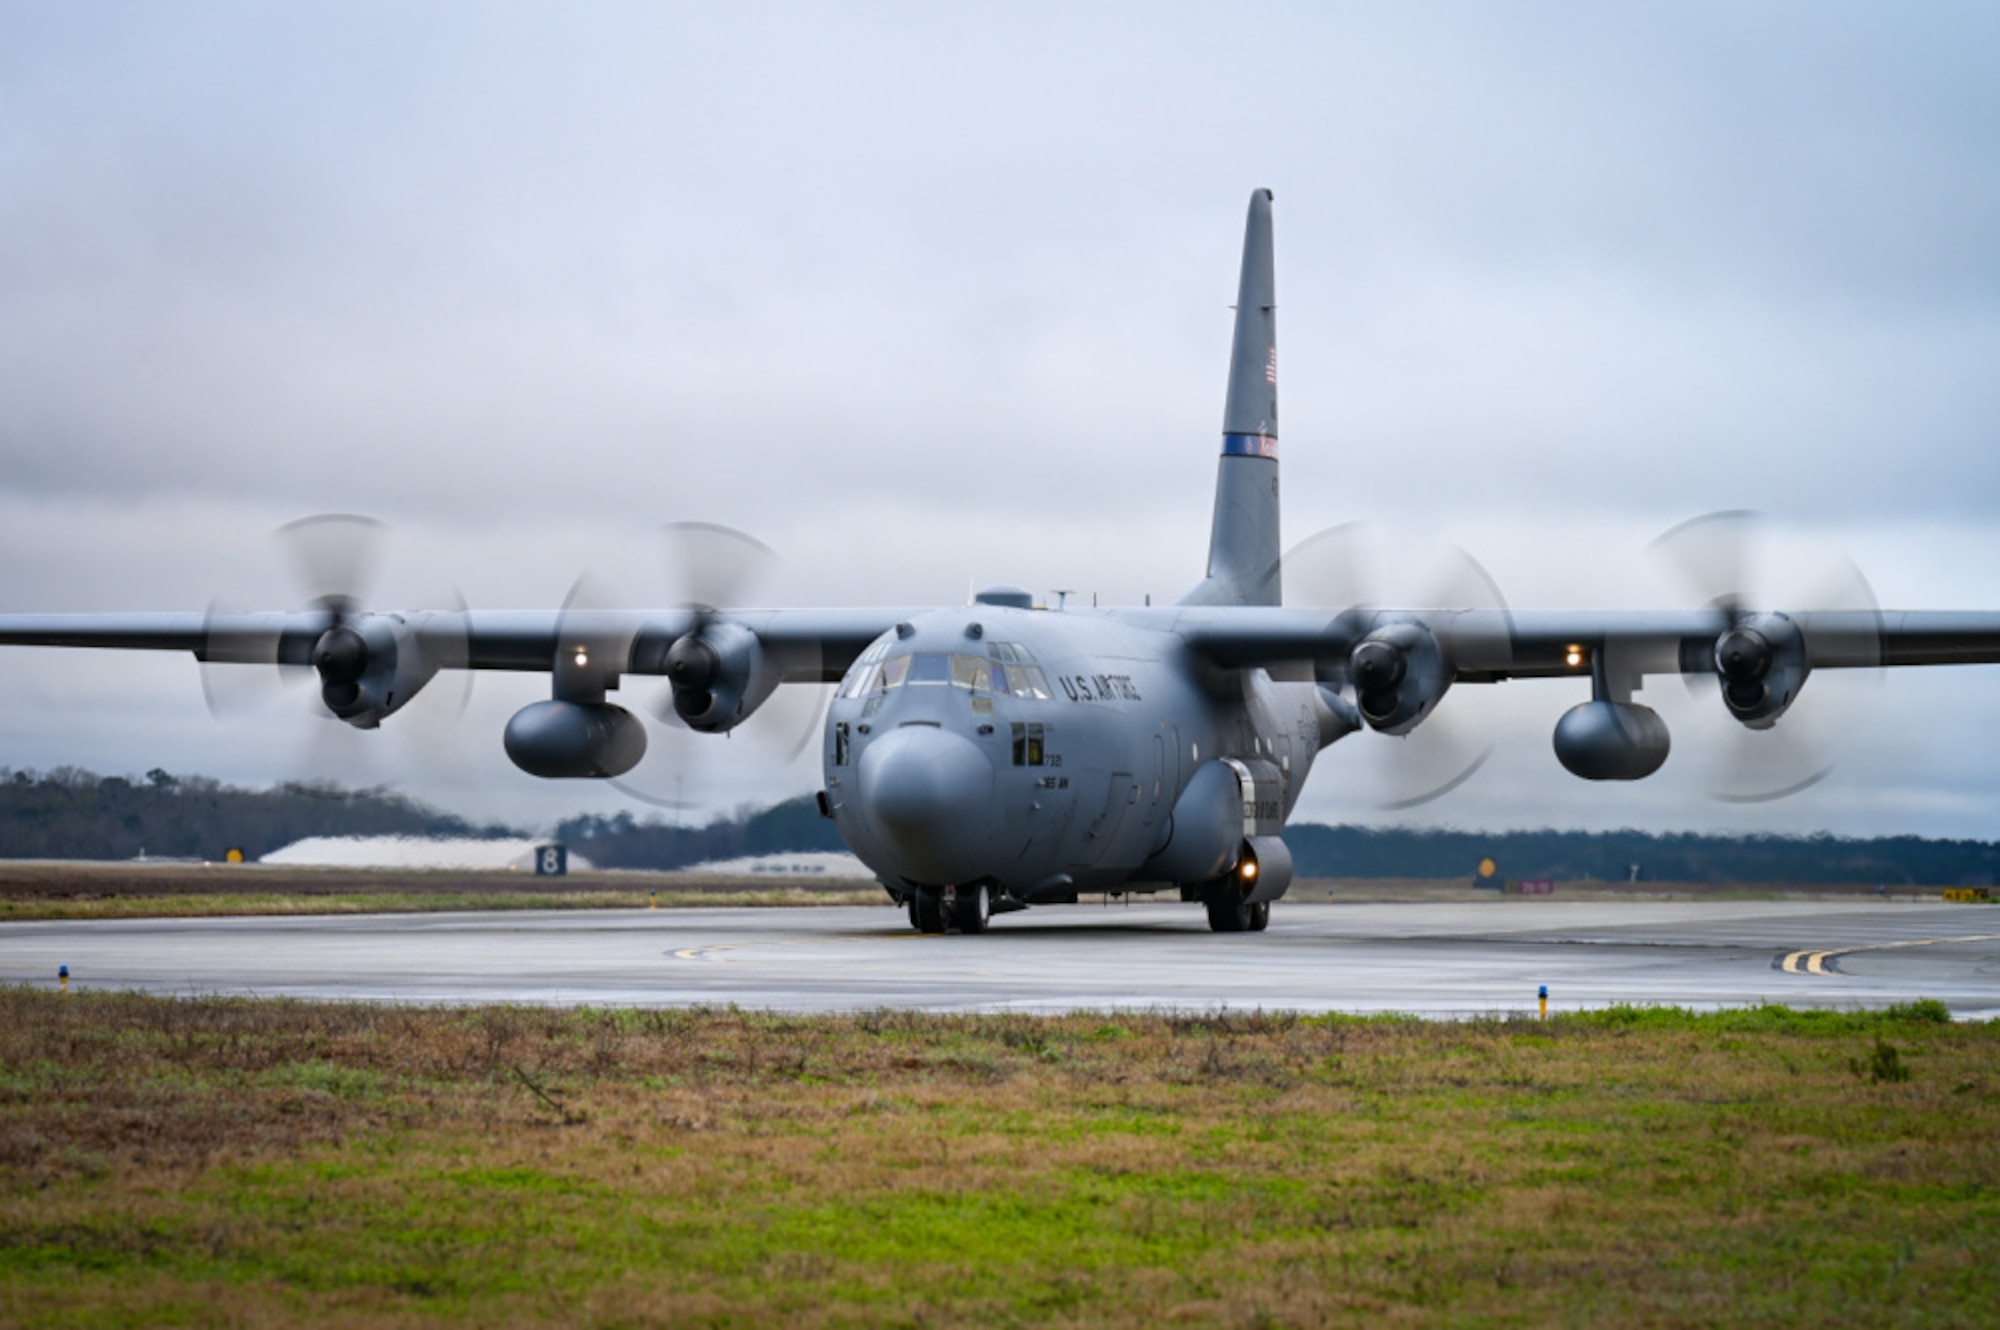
(420, 732)
(807, 720)
(1742, 563)
(1715, 555)
(1437, 757)
(1366, 566)
(712, 567)
(336, 556)
(231, 682)
(448, 645)
(329, 751)
(590, 629)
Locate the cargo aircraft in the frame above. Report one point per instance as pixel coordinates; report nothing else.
(995, 756)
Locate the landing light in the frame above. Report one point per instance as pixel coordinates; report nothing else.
(1248, 870)
(1574, 656)
(582, 657)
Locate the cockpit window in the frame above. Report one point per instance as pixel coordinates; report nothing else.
(1028, 681)
(975, 673)
(861, 675)
(972, 672)
(928, 668)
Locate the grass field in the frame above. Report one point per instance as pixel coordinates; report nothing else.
(60, 890)
(240, 1163)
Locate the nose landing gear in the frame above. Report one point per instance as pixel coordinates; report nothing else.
(950, 909)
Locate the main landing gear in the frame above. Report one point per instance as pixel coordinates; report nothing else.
(1228, 912)
(950, 909)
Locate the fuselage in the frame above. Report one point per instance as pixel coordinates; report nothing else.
(1043, 752)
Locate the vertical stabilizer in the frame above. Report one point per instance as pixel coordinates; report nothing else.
(1243, 542)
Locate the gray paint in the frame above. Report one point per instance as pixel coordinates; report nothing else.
(1244, 534)
(1252, 403)
(1243, 554)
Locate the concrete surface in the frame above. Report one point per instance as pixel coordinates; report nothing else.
(1434, 959)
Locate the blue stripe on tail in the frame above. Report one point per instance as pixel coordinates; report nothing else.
(1249, 445)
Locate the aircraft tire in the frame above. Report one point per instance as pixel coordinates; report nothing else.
(972, 908)
(926, 911)
(1226, 912)
(1260, 916)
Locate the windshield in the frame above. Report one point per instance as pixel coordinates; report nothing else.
(938, 669)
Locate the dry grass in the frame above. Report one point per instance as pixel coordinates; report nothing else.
(224, 1162)
(52, 890)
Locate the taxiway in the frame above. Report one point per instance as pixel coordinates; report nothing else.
(1432, 959)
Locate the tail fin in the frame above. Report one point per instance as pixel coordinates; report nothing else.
(1243, 542)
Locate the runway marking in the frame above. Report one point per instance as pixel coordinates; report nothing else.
(1826, 960)
(708, 952)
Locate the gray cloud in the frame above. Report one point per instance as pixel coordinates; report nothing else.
(878, 283)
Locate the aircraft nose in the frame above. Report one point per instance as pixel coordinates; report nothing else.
(929, 794)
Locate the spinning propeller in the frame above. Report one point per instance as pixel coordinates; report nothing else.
(1744, 566)
(1397, 671)
(710, 568)
(334, 558)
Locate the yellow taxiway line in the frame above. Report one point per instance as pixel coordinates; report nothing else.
(1814, 961)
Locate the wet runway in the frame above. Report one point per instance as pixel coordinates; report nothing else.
(1434, 959)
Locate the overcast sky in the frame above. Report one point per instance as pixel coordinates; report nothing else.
(931, 296)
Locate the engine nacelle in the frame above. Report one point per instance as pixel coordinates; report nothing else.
(1213, 837)
(370, 667)
(1399, 675)
(1762, 664)
(1205, 831)
(1264, 870)
(575, 740)
(1604, 740)
(719, 675)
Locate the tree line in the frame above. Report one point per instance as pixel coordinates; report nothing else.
(623, 841)
(1615, 856)
(69, 813)
(1388, 852)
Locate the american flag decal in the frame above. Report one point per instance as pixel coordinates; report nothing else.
(1271, 368)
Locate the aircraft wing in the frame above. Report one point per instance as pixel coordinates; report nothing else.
(1483, 646)
(482, 640)
(142, 632)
